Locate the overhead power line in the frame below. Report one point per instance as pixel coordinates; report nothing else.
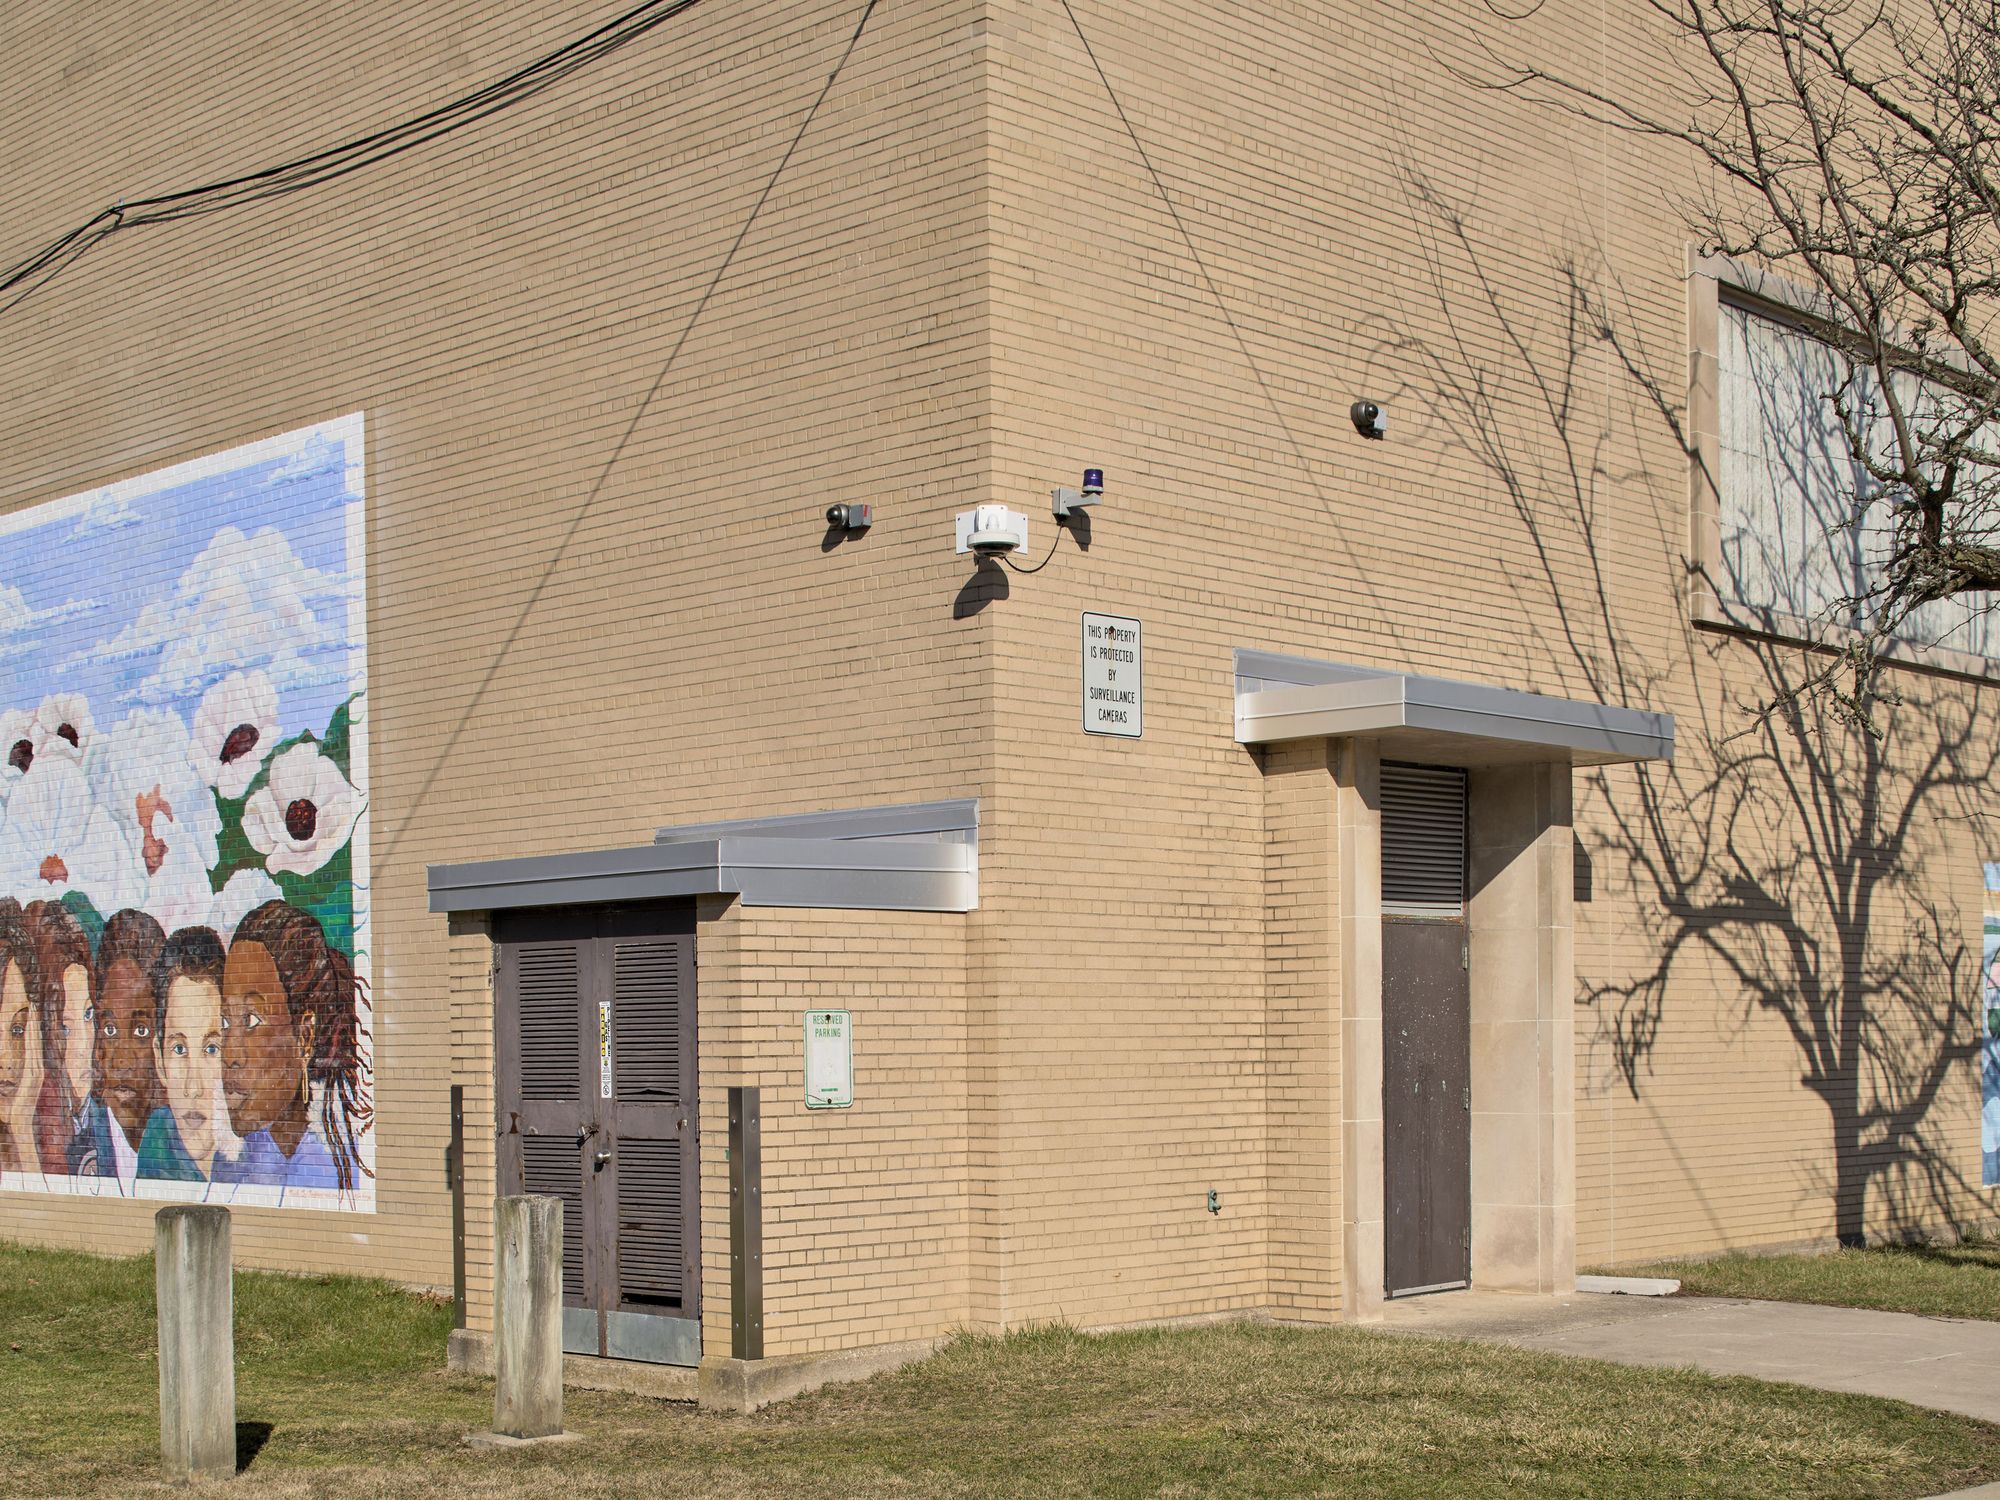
(337, 161)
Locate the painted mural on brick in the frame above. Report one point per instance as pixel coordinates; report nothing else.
(1989, 1031)
(184, 928)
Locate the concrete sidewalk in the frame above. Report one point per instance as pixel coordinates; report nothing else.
(1947, 1363)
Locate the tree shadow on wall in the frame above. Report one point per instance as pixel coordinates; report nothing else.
(1781, 854)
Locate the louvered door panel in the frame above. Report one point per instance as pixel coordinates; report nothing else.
(549, 1164)
(1423, 841)
(652, 981)
(648, 1013)
(652, 1223)
(548, 989)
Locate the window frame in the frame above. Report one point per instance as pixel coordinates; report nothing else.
(1712, 281)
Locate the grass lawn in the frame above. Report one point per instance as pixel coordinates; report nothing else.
(1938, 1281)
(340, 1382)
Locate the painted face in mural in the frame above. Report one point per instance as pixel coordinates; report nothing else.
(190, 1054)
(127, 1079)
(264, 1055)
(75, 1030)
(20, 1069)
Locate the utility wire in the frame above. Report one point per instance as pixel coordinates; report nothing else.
(639, 414)
(1060, 529)
(1208, 280)
(18, 281)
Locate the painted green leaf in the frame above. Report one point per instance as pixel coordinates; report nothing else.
(85, 911)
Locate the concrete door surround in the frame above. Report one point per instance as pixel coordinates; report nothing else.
(1518, 921)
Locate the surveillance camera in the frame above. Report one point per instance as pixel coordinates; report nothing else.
(850, 517)
(1369, 419)
(992, 531)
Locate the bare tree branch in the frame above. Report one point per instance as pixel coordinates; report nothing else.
(1856, 151)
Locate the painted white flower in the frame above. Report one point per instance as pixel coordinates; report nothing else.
(303, 815)
(143, 774)
(177, 893)
(63, 727)
(240, 895)
(17, 747)
(235, 728)
(57, 839)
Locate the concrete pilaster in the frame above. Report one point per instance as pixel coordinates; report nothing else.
(1358, 825)
(1523, 1048)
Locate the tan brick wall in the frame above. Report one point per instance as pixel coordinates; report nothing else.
(1301, 967)
(1509, 281)
(600, 602)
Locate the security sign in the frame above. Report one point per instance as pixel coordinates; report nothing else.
(829, 1059)
(1114, 687)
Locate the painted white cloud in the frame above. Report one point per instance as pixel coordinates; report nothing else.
(247, 602)
(21, 621)
(107, 511)
(315, 455)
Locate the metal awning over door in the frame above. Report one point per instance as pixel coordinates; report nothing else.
(1436, 719)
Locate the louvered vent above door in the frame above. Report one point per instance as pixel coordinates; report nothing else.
(1423, 841)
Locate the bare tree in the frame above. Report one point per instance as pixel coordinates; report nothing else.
(1855, 152)
(1782, 868)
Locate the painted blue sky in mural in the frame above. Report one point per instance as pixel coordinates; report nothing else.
(137, 601)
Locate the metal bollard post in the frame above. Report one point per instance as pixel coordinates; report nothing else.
(197, 1317)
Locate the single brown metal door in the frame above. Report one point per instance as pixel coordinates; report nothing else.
(595, 1042)
(1426, 1033)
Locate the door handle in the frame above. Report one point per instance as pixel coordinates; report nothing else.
(597, 1162)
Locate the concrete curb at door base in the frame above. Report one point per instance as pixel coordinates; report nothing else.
(470, 1352)
(743, 1386)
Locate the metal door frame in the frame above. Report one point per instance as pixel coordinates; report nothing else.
(1460, 927)
(600, 1325)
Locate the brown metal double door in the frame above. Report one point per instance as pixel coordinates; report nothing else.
(1426, 1106)
(595, 1041)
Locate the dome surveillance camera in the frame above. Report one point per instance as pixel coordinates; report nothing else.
(1369, 419)
(992, 531)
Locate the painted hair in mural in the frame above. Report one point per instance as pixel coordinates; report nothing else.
(184, 975)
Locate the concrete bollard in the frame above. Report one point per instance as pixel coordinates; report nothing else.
(527, 1313)
(197, 1313)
